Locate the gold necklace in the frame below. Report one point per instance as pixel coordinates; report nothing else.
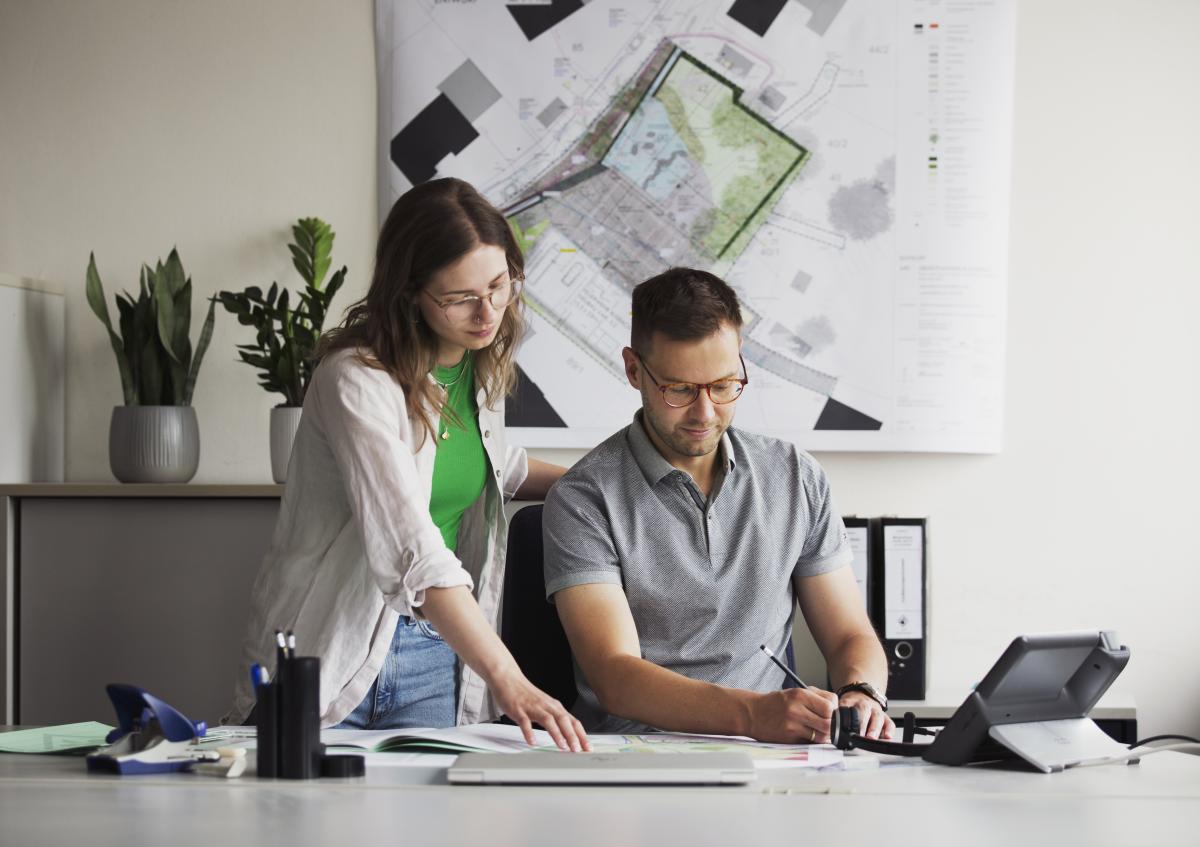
(445, 386)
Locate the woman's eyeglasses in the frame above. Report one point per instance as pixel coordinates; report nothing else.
(463, 308)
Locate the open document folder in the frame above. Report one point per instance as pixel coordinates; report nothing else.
(475, 738)
(501, 738)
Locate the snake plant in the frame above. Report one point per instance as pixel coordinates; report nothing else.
(154, 352)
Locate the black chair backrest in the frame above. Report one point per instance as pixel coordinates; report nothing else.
(529, 625)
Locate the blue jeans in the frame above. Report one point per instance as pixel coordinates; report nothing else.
(416, 686)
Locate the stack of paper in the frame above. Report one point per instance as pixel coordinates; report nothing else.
(66, 738)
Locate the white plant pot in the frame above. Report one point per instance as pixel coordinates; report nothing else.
(284, 422)
(153, 443)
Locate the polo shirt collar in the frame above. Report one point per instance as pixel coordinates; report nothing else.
(652, 464)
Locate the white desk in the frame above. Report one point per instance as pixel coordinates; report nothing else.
(51, 801)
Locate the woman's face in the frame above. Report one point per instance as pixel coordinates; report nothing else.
(460, 322)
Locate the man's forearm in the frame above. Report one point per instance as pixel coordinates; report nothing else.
(635, 689)
(859, 658)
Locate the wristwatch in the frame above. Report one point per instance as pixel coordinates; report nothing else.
(866, 688)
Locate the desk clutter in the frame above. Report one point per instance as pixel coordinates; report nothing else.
(153, 737)
(289, 720)
(1032, 705)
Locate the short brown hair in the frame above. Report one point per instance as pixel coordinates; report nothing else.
(683, 304)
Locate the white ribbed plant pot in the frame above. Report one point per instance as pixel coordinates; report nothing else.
(153, 443)
(284, 422)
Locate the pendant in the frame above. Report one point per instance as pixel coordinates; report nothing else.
(445, 434)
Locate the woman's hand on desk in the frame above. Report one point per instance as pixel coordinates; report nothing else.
(457, 617)
(525, 703)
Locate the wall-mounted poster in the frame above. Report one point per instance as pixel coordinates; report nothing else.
(844, 164)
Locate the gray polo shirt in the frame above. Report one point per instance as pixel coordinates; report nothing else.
(707, 581)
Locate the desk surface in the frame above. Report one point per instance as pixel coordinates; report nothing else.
(51, 800)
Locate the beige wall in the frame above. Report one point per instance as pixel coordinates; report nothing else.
(132, 127)
(128, 127)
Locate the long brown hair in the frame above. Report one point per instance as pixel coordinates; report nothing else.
(429, 228)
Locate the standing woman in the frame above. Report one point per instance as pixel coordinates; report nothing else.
(392, 521)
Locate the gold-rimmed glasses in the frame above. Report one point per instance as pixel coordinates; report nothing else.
(460, 308)
(677, 395)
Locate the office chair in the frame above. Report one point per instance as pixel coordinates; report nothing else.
(529, 625)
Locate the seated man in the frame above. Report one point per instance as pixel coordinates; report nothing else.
(680, 544)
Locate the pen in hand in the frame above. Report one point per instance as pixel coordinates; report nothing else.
(791, 673)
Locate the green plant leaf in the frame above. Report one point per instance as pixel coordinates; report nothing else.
(302, 262)
(164, 310)
(144, 329)
(201, 347)
(176, 278)
(180, 340)
(95, 297)
(311, 252)
(285, 334)
(152, 373)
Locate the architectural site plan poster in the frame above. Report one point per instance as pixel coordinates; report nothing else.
(843, 164)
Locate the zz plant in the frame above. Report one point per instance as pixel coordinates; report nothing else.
(154, 352)
(287, 337)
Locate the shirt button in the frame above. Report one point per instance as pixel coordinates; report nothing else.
(497, 474)
(487, 433)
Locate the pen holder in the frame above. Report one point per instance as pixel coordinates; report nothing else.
(289, 721)
(266, 717)
(288, 715)
(300, 747)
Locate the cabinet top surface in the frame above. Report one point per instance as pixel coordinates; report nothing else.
(119, 489)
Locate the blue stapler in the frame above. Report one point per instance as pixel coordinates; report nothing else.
(151, 736)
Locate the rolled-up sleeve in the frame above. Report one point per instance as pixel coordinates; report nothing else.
(363, 415)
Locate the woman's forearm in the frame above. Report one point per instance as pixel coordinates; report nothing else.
(459, 620)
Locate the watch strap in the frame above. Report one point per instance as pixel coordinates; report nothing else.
(865, 688)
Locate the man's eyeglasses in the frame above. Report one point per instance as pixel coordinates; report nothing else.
(680, 394)
(460, 308)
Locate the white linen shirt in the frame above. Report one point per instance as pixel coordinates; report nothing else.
(355, 546)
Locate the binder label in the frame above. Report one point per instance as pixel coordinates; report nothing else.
(857, 536)
(903, 554)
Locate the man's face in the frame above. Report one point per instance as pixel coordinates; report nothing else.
(696, 429)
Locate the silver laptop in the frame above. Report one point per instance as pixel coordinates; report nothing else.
(550, 768)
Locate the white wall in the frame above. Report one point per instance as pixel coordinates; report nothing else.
(32, 380)
(128, 127)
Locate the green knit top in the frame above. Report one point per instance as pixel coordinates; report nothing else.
(460, 468)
